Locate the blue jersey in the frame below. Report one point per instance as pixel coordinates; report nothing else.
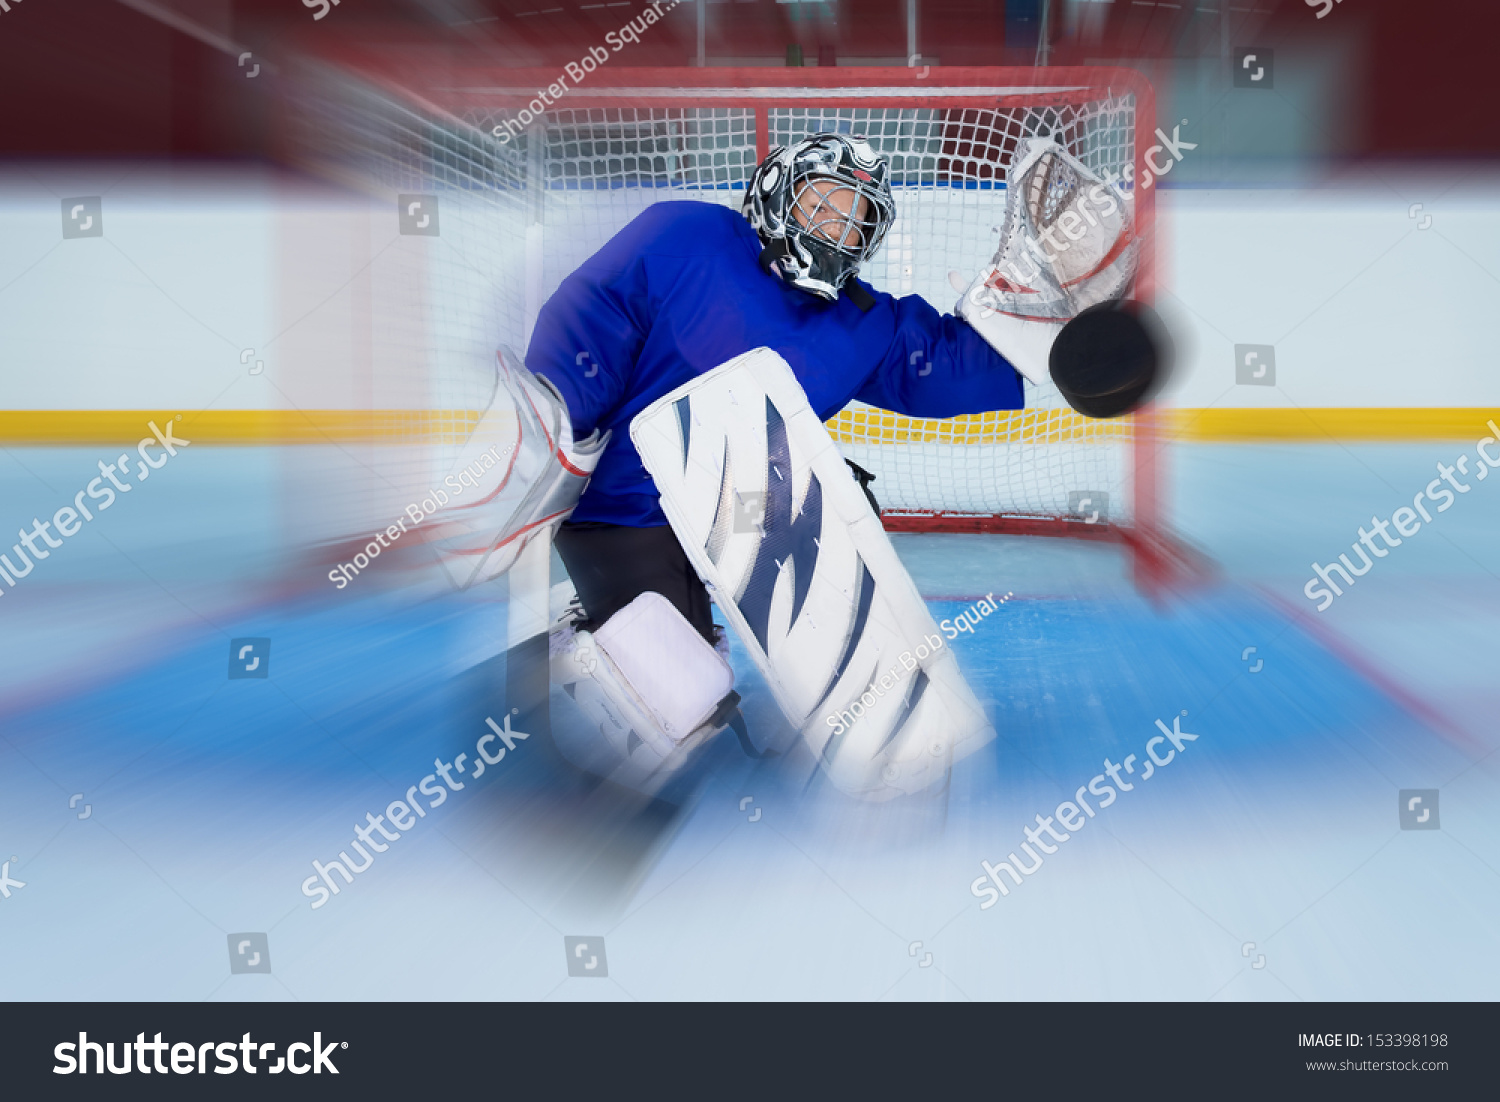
(680, 290)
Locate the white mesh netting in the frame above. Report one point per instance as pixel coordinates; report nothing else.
(517, 217)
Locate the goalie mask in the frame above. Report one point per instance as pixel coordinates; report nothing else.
(822, 208)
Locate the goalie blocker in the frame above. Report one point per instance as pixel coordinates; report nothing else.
(522, 498)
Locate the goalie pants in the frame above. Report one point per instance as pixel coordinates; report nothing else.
(611, 565)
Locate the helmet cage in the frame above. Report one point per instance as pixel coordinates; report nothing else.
(827, 179)
(822, 219)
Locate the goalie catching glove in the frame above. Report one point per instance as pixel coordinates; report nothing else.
(1067, 257)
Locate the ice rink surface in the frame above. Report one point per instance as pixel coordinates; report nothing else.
(155, 809)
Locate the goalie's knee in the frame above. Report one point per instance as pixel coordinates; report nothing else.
(652, 684)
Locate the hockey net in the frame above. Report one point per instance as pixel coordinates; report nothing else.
(524, 197)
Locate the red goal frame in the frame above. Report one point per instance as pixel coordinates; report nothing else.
(451, 83)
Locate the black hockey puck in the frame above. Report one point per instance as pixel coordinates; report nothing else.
(1111, 359)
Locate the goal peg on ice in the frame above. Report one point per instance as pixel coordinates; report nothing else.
(1112, 358)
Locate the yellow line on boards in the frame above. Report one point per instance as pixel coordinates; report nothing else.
(239, 426)
(1329, 424)
(399, 426)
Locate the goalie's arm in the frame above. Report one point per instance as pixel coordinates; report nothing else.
(938, 366)
(588, 336)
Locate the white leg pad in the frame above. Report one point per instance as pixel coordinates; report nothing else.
(813, 588)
